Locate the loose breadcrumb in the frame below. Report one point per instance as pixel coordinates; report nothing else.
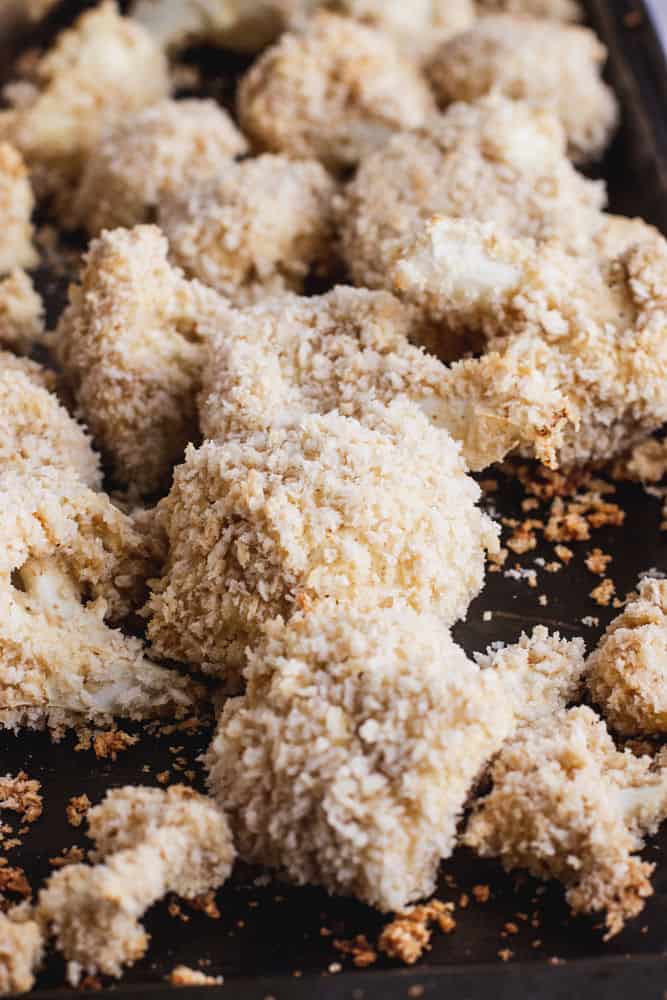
(359, 949)
(21, 947)
(16, 205)
(409, 933)
(566, 804)
(603, 593)
(597, 561)
(21, 312)
(112, 742)
(77, 809)
(21, 794)
(182, 975)
(149, 843)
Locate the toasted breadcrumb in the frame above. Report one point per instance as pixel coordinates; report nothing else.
(159, 150)
(21, 312)
(603, 593)
(149, 843)
(349, 759)
(21, 947)
(182, 975)
(556, 10)
(627, 673)
(77, 809)
(111, 743)
(335, 91)
(319, 507)
(566, 804)
(21, 794)
(548, 64)
(409, 933)
(16, 205)
(260, 226)
(359, 949)
(597, 561)
(130, 343)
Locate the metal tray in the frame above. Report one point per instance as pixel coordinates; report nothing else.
(268, 940)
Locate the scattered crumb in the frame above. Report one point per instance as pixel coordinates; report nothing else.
(163, 777)
(590, 621)
(77, 809)
(359, 949)
(603, 593)
(335, 967)
(183, 975)
(111, 742)
(21, 794)
(206, 904)
(597, 561)
(70, 856)
(13, 880)
(487, 616)
(409, 934)
(543, 600)
(505, 954)
(564, 554)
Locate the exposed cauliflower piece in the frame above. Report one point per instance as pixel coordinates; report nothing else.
(566, 804)
(21, 312)
(335, 91)
(165, 148)
(540, 672)
(36, 373)
(21, 947)
(322, 507)
(551, 65)
(556, 10)
(150, 842)
(349, 759)
(99, 71)
(258, 227)
(246, 25)
(69, 560)
(599, 325)
(16, 205)
(627, 673)
(496, 159)
(35, 428)
(131, 346)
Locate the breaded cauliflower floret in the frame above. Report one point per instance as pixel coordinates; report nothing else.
(627, 673)
(497, 160)
(551, 65)
(335, 91)
(599, 325)
(150, 842)
(566, 804)
(21, 312)
(349, 759)
(162, 149)
(36, 373)
(69, 561)
(556, 10)
(131, 346)
(245, 25)
(16, 205)
(259, 227)
(35, 428)
(21, 947)
(99, 71)
(268, 524)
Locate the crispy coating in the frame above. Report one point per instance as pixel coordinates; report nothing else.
(130, 343)
(16, 205)
(599, 324)
(324, 506)
(497, 160)
(335, 91)
(259, 227)
(38, 374)
(21, 312)
(566, 804)
(555, 10)
(546, 63)
(69, 561)
(349, 758)
(100, 70)
(150, 842)
(627, 673)
(21, 947)
(162, 149)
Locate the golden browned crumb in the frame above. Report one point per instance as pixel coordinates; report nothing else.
(21, 947)
(563, 553)
(258, 227)
(566, 804)
(21, 312)
(14, 880)
(149, 843)
(557, 10)
(409, 934)
(112, 742)
(130, 343)
(603, 593)
(359, 949)
(70, 856)
(16, 205)
(597, 561)
(335, 91)
(182, 975)
(77, 809)
(21, 794)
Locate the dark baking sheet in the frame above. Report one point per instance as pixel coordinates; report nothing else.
(268, 940)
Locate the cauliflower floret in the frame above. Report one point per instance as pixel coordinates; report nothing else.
(551, 65)
(598, 324)
(335, 91)
(16, 205)
(99, 71)
(556, 10)
(21, 312)
(32, 370)
(131, 345)
(323, 507)
(566, 804)
(258, 227)
(627, 673)
(69, 561)
(496, 159)
(349, 759)
(21, 947)
(165, 148)
(35, 428)
(150, 842)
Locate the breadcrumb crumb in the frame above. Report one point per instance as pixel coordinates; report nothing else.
(409, 934)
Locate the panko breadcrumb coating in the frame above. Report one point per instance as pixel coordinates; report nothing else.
(38, 374)
(599, 324)
(159, 150)
(36, 429)
(150, 842)
(627, 673)
(98, 71)
(335, 91)
(131, 347)
(548, 64)
(21, 947)
(16, 205)
(497, 160)
(21, 312)
(258, 227)
(324, 507)
(69, 561)
(566, 804)
(348, 760)
(556, 10)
